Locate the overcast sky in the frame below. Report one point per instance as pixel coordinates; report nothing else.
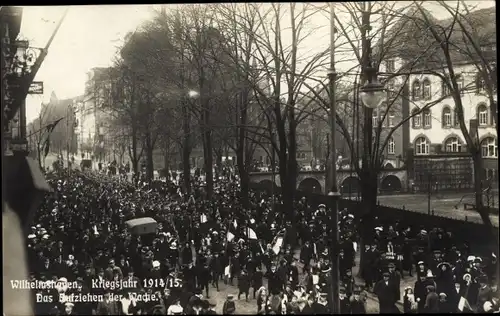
(90, 35)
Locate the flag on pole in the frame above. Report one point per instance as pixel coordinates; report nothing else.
(251, 234)
(230, 236)
(277, 245)
(261, 248)
(235, 224)
(278, 241)
(95, 230)
(203, 218)
(463, 303)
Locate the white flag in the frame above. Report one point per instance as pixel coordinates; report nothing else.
(230, 236)
(315, 279)
(463, 303)
(251, 234)
(262, 249)
(355, 246)
(235, 224)
(227, 271)
(203, 218)
(95, 230)
(277, 245)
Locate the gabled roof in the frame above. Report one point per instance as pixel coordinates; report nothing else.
(414, 42)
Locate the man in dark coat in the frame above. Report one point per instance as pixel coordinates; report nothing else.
(275, 284)
(216, 270)
(204, 278)
(306, 254)
(256, 280)
(395, 281)
(431, 301)
(345, 306)
(420, 292)
(321, 306)
(243, 284)
(385, 295)
(357, 305)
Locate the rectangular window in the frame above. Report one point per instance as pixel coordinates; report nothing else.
(427, 120)
(447, 119)
(390, 65)
(483, 118)
(391, 119)
(375, 120)
(417, 121)
(391, 148)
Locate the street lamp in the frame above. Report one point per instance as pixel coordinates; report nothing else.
(372, 92)
(193, 94)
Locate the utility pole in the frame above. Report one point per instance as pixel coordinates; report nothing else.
(333, 191)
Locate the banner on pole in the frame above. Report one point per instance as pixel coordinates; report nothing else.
(277, 245)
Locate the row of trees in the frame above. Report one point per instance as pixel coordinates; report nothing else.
(241, 75)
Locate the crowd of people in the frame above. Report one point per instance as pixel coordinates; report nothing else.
(92, 262)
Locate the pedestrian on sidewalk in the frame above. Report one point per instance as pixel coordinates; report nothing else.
(385, 295)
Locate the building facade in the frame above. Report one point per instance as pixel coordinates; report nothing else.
(436, 135)
(436, 150)
(93, 120)
(10, 25)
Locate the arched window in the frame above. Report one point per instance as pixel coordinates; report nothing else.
(446, 117)
(391, 146)
(427, 118)
(417, 119)
(480, 84)
(390, 119)
(426, 89)
(421, 146)
(489, 147)
(416, 89)
(456, 120)
(453, 145)
(482, 115)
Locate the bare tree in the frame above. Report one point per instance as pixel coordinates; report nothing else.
(37, 134)
(276, 33)
(368, 131)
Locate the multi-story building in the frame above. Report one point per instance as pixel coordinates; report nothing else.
(440, 159)
(92, 118)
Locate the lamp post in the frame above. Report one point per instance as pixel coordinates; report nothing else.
(273, 168)
(333, 190)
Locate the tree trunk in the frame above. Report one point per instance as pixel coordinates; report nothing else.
(133, 152)
(369, 188)
(242, 171)
(149, 157)
(166, 158)
(208, 154)
(186, 149)
(478, 193)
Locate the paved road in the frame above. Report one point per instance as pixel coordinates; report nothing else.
(443, 205)
(250, 307)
